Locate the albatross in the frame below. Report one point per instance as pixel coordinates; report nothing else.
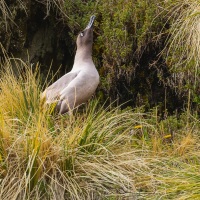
(78, 85)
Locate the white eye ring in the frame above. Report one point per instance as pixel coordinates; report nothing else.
(81, 34)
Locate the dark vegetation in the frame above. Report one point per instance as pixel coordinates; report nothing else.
(131, 49)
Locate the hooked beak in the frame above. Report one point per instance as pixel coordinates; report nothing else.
(91, 22)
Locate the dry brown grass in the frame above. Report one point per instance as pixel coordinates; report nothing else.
(95, 153)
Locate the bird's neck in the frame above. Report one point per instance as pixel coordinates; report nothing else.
(83, 54)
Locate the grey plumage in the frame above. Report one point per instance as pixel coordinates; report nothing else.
(77, 86)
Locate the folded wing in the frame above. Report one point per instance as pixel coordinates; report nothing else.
(52, 93)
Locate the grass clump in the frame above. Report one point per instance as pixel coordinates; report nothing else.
(183, 44)
(7, 14)
(96, 153)
(81, 156)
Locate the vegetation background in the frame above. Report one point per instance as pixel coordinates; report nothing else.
(146, 146)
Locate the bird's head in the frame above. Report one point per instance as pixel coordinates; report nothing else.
(85, 37)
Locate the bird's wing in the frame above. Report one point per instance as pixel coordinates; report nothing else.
(52, 93)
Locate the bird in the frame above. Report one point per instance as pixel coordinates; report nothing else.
(77, 86)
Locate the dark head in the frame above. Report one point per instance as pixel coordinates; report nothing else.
(85, 37)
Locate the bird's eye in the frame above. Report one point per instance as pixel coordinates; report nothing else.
(81, 34)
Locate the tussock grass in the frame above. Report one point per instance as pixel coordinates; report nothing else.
(183, 47)
(5, 11)
(95, 153)
(8, 15)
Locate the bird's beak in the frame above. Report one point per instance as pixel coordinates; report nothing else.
(91, 22)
